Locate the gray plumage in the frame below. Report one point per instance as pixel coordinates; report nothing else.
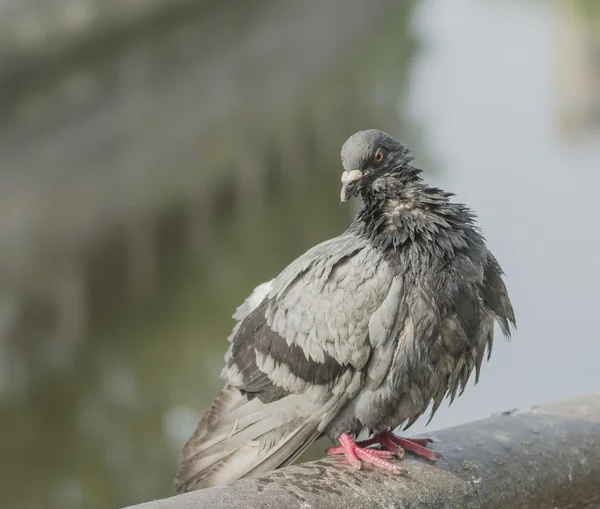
(363, 331)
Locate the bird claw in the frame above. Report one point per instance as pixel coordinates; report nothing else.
(356, 455)
(393, 446)
(416, 446)
(390, 441)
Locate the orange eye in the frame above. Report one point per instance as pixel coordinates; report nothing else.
(379, 156)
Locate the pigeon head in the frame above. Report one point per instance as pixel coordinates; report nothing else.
(371, 159)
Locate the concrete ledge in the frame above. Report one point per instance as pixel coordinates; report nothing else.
(546, 457)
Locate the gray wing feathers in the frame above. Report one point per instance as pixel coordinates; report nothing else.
(325, 254)
(315, 314)
(323, 303)
(257, 296)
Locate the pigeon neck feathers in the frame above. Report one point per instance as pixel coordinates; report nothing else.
(402, 210)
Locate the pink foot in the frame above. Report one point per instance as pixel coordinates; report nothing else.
(355, 454)
(417, 448)
(398, 445)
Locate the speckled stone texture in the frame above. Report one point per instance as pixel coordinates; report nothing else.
(547, 457)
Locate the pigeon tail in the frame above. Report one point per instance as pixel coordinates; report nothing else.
(239, 436)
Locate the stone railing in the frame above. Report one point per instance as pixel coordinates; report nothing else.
(542, 458)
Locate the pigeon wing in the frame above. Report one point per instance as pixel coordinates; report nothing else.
(295, 360)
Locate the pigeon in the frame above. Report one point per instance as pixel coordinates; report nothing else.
(362, 333)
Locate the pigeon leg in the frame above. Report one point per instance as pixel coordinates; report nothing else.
(393, 442)
(356, 454)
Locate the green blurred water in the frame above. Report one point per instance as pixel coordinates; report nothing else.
(107, 429)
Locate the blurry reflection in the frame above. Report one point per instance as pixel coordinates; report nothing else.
(149, 181)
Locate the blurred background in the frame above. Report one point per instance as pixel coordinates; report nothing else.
(160, 158)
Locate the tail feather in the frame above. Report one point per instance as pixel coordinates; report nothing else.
(239, 437)
(235, 428)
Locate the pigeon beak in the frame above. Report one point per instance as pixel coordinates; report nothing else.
(348, 178)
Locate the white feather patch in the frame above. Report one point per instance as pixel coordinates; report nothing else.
(252, 302)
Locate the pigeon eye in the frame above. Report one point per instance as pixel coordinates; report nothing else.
(379, 156)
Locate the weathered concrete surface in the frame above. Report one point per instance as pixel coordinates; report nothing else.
(538, 458)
